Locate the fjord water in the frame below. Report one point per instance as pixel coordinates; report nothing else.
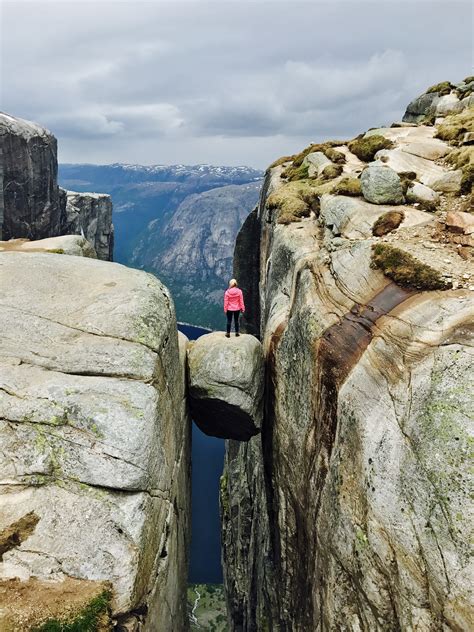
(207, 463)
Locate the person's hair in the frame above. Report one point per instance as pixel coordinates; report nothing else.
(233, 283)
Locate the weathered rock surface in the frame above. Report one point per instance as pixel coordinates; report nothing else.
(32, 206)
(94, 432)
(90, 215)
(351, 510)
(226, 385)
(436, 103)
(66, 244)
(381, 185)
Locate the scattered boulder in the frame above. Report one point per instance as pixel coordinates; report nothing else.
(226, 385)
(381, 185)
(458, 222)
(420, 193)
(448, 182)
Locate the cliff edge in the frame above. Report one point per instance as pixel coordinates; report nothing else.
(351, 510)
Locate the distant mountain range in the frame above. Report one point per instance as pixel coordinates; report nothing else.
(177, 221)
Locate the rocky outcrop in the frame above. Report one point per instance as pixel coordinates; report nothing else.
(32, 206)
(65, 245)
(226, 385)
(439, 100)
(95, 436)
(90, 215)
(350, 511)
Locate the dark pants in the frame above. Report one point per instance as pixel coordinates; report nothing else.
(236, 315)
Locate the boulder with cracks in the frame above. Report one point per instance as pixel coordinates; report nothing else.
(94, 430)
(226, 385)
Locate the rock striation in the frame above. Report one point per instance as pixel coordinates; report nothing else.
(32, 206)
(351, 509)
(226, 385)
(95, 438)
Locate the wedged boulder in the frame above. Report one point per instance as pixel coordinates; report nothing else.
(381, 185)
(226, 385)
(64, 245)
(94, 432)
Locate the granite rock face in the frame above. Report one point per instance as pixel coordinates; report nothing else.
(32, 206)
(90, 215)
(226, 385)
(440, 100)
(65, 245)
(95, 433)
(31, 200)
(351, 510)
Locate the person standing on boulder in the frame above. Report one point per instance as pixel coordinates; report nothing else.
(233, 305)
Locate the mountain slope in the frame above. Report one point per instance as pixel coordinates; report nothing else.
(178, 221)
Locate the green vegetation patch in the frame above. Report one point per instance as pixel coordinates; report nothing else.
(207, 607)
(366, 148)
(57, 251)
(293, 173)
(347, 186)
(294, 201)
(335, 156)
(454, 126)
(280, 161)
(324, 147)
(330, 172)
(405, 270)
(442, 88)
(387, 222)
(95, 617)
(463, 158)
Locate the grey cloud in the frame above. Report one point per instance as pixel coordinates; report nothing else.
(183, 82)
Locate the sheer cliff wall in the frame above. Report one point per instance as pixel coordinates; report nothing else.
(351, 510)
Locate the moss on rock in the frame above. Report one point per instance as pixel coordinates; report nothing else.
(295, 200)
(365, 148)
(324, 147)
(330, 172)
(335, 156)
(463, 158)
(442, 88)
(406, 270)
(347, 186)
(293, 173)
(280, 161)
(455, 126)
(387, 222)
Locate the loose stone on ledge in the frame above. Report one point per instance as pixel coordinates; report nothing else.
(226, 385)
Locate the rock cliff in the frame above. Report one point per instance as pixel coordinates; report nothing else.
(351, 510)
(95, 457)
(32, 206)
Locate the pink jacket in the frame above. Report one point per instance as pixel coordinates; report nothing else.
(234, 300)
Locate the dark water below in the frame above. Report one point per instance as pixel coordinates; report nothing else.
(207, 462)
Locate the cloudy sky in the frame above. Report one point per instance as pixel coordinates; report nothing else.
(222, 82)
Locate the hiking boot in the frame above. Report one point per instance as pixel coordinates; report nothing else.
(227, 335)
(237, 335)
